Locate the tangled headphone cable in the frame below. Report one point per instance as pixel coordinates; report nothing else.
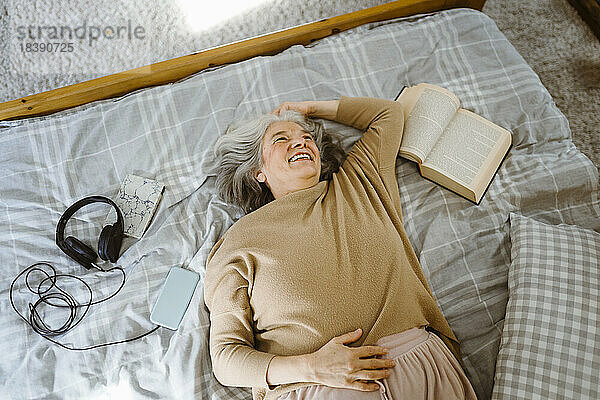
(63, 299)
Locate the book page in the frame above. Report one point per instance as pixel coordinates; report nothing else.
(462, 151)
(426, 121)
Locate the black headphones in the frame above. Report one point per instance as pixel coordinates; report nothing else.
(109, 242)
(109, 245)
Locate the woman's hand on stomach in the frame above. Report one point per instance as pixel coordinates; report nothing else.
(337, 365)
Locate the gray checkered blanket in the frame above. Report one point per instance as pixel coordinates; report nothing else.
(166, 133)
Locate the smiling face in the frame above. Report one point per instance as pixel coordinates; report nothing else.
(290, 157)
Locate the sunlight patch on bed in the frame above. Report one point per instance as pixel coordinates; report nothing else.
(121, 391)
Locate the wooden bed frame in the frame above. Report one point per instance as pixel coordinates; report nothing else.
(163, 72)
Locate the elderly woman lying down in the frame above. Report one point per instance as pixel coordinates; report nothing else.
(318, 282)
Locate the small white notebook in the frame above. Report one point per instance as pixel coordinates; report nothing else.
(138, 200)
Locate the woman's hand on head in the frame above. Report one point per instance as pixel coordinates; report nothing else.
(317, 108)
(305, 107)
(337, 365)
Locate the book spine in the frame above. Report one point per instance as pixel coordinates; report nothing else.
(402, 90)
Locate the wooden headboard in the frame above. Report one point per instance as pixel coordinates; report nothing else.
(159, 73)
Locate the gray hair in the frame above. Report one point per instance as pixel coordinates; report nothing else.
(238, 156)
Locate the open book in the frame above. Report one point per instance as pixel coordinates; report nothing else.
(453, 147)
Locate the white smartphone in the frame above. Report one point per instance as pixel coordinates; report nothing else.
(174, 298)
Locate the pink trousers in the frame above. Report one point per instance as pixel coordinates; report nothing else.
(425, 369)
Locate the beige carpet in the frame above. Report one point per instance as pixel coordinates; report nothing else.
(563, 51)
(549, 34)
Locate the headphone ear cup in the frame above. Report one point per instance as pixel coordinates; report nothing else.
(81, 248)
(103, 241)
(114, 246)
(109, 243)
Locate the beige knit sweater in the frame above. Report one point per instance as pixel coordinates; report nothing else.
(320, 262)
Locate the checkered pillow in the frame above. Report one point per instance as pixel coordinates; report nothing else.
(551, 338)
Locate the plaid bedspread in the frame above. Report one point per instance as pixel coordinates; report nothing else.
(166, 133)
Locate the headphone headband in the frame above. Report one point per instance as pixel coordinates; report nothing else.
(62, 222)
